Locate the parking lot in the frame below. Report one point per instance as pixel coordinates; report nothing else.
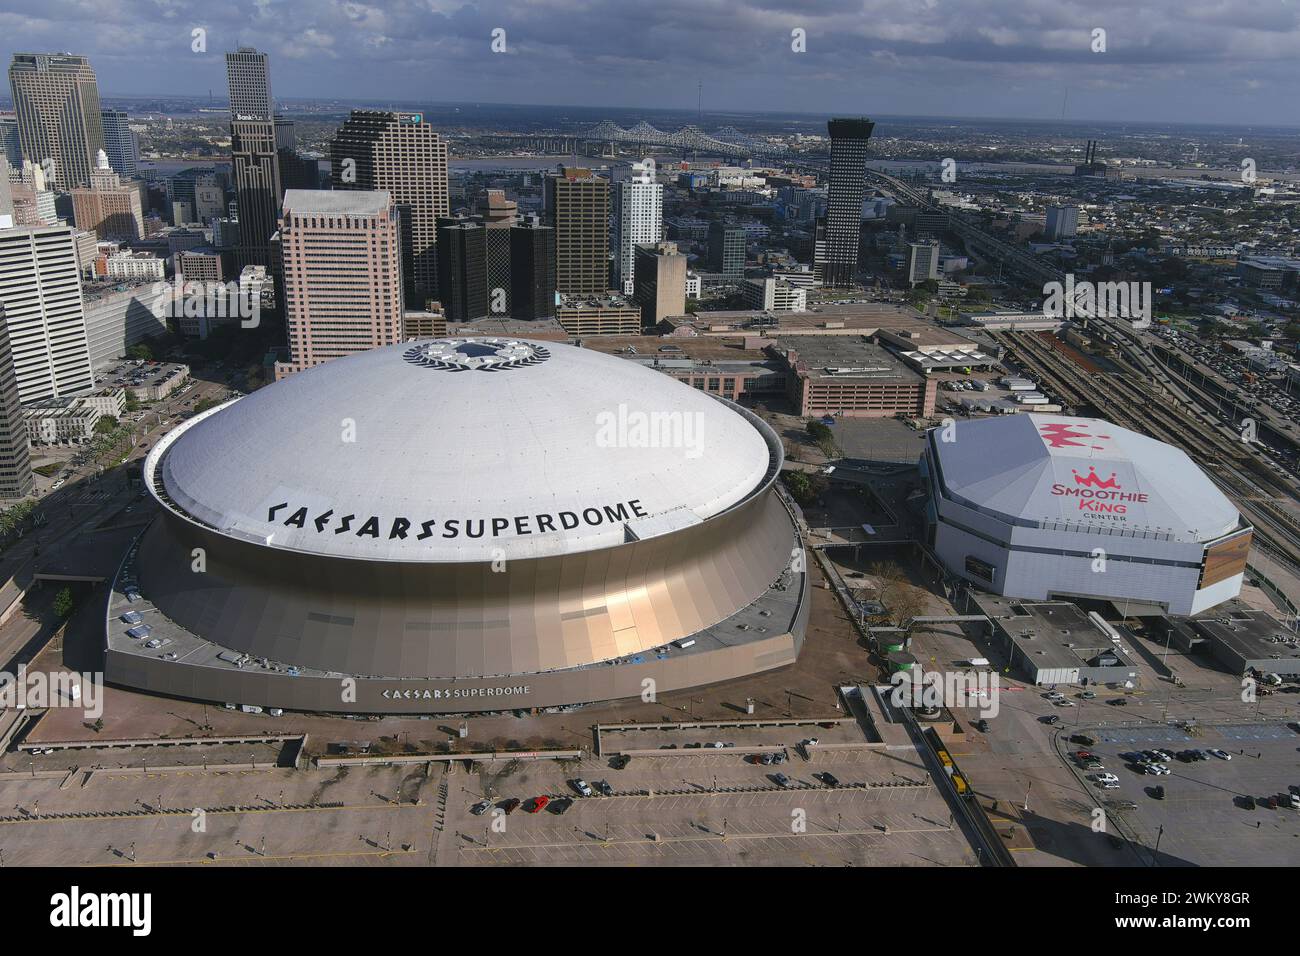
(1203, 818)
(715, 808)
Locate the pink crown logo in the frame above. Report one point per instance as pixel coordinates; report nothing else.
(1092, 480)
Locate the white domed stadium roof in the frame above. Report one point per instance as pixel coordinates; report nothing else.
(1053, 470)
(464, 450)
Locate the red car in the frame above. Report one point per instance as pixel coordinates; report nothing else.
(537, 804)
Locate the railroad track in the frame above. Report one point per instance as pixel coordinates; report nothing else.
(1134, 405)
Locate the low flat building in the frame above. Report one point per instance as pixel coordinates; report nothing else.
(774, 295)
(1240, 639)
(1008, 320)
(427, 324)
(610, 314)
(60, 421)
(1055, 642)
(929, 349)
(732, 369)
(851, 376)
(149, 381)
(135, 266)
(109, 401)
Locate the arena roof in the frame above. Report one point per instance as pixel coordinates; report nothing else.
(1078, 473)
(464, 450)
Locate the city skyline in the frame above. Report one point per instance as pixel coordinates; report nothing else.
(959, 58)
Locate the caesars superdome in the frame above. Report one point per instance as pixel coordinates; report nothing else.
(460, 524)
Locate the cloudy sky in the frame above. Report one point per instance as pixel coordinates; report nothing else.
(1232, 61)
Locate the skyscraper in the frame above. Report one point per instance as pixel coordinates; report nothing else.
(638, 218)
(6, 195)
(40, 286)
(15, 461)
(10, 146)
(56, 99)
(255, 162)
(249, 80)
(660, 287)
(532, 270)
(119, 142)
(401, 154)
(726, 249)
(577, 207)
(497, 214)
(1062, 222)
(108, 207)
(838, 262)
(342, 275)
(463, 269)
(922, 262)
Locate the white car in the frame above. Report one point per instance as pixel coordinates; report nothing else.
(1221, 754)
(1105, 777)
(1156, 769)
(1063, 703)
(1107, 785)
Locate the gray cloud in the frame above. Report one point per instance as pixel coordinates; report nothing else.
(1164, 59)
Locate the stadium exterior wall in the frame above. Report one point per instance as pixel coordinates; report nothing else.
(375, 695)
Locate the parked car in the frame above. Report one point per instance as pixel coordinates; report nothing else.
(480, 808)
(982, 725)
(780, 779)
(1050, 719)
(620, 761)
(1221, 754)
(1158, 791)
(604, 788)
(581, 786)
(560, 806)
(827, 778)
(1105, 777)
(510, 805)
(537, 804)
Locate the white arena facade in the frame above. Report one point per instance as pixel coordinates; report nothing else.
(1045, 506)
(460, 525)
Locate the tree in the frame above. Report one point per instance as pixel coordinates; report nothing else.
(105, 424)
(63, 602)
(824, 437)
(804, 488)
(140, 351)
